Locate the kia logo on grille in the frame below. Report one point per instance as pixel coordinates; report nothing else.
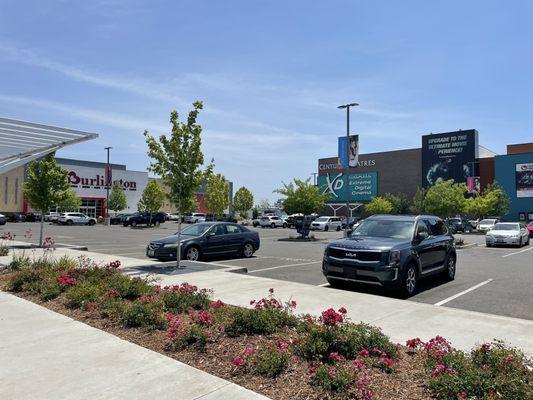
(351, 255)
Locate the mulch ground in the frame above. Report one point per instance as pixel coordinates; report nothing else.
(407, 383)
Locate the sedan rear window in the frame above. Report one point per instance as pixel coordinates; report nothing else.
(506, 227)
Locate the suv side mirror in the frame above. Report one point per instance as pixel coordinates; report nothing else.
(421, 236)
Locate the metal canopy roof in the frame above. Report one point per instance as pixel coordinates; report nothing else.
(22, 142)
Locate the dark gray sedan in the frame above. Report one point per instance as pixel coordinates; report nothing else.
(207, 239)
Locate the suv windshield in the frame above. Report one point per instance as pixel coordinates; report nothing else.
(385, 228)
(195, 230)
(487, 222)
(505, 227)
(321, 219)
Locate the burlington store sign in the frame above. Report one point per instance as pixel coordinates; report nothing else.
(89, 182)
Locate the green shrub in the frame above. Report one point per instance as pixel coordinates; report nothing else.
(178, 300)
(492, 370)
(4, 251)
(19, 261)
(188, 336)
(318, 341)
(343, 378)
(22, 279)
(272, 358)
(49, 290)
(138, 314)
(82, 294)
(128, 288)
(262, 321)
(65, 263)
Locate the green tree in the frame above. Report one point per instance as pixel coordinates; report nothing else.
(243, 201)
(379, 205)
(70, 201)
(45, 187)
(264, 205)
(302, 197)
(418, 201)
(152, 199)
(178, 159)
(476, 206)
(255, 213)
(217, 194)
(497, 200)
(117, 198)
(400, 203)
(445, 199)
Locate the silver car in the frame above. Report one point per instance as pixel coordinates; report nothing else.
(487, 224)
(508, 233)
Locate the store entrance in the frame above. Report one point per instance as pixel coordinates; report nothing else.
(91, 207)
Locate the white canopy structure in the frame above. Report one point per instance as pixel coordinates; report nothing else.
(22, 142)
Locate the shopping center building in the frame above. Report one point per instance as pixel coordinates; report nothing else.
(450, 155)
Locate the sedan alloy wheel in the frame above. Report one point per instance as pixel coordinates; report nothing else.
(193, 254)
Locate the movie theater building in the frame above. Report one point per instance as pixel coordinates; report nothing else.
(442, 156)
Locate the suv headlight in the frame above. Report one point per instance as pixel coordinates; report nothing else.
(394, 258)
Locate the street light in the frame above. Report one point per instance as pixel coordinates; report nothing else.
(347, 189)
(108, 179)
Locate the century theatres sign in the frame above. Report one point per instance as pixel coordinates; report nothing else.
(97, 181)
(330, 165)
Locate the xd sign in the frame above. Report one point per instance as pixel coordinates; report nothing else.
(363, 186)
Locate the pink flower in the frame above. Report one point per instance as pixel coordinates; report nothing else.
(271, 290)
(66, 280)
(238, 361)
(336, 357)
(91, 306)
(343, 310)
(463, 395)
(364, 353)
(217, 304)
(112, 293)
(330, 317)
(509, 358)
(293, 304)
(295, 342)
(413, 343)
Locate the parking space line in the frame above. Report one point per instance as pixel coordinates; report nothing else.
(282, 266)
(324, 284)
(440, 303)
(518, 252)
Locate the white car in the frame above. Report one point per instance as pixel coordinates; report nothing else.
(486, 225)
(514, 233)
(74, 218)
(173, 217)
(51, 216)
(194, 218)
(326, 224)
(272, 221)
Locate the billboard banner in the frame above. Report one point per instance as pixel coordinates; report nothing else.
(524, 180)
(363, 186)
(473, 184)
(348, 151)
(449, 155)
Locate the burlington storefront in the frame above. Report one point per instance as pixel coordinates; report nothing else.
(87, 179)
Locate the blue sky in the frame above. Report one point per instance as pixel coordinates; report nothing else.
(270, 74)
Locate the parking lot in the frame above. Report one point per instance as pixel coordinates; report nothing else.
(491, 280)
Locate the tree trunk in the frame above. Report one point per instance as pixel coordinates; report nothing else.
(150, 220)
(41, 230)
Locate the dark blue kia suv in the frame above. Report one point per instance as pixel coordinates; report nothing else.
(394, 251)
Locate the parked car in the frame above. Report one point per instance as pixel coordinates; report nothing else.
(530, 229)
(272, 221)
(326, 224)
(3, 219)
(513, 233)
(32, 217)
(220, 218)
(51, 216)
(74, 218)
(118, 218)
(207, 239)
(143, 218)
(351, 222)
(486, 225)
(459, 225)
(393, 251)
(15, 217)
(173, 217)
(255, 222)
(194, 218)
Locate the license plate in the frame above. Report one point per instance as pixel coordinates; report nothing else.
(335, 269)
(500, 241)
(151, 253)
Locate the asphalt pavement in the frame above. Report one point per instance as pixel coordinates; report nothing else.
(490, 280)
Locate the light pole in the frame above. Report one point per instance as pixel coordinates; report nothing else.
(108, 179)
(347, 182)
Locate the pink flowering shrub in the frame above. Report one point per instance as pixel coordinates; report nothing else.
(490, 371)
(267, 316)
(182, 298)
(333, 333)
(65, 280)
(182, 334)
(349, 378)
(271, 358)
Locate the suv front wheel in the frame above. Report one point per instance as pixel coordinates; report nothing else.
(409, 281)
(449, 273)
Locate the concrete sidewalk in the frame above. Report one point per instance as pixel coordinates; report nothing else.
(45, 355)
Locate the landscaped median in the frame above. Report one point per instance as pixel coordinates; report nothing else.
(268, 347)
